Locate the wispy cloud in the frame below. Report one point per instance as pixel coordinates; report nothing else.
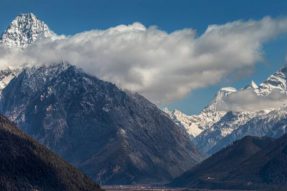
(162, 66)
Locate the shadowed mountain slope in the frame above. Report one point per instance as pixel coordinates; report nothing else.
(26, 165)
(250, 163)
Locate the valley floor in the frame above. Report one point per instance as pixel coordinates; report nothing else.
(150, 188)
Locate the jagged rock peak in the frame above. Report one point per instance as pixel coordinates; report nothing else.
(25, 29)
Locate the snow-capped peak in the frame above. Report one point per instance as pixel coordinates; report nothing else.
(25, 29)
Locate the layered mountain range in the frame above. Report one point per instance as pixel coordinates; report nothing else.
(214, 128)
(114, 136)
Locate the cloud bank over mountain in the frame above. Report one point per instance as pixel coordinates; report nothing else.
(248, 100)
(162, 66)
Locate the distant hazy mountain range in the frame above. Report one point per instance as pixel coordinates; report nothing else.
(114, 136)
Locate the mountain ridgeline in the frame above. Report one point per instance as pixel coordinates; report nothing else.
(28, 166)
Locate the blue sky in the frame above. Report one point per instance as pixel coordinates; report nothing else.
(70, 17)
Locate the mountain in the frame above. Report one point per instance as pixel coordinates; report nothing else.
(115, 137)
(220, 128)
(24, 30)
(197, 124)
(26, 165)
(250, 163)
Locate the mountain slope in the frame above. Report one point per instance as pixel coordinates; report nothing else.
(266, 168)
(114, 136)
(27, 165)
(233, 167)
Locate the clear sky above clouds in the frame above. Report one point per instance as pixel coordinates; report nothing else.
(73, 16)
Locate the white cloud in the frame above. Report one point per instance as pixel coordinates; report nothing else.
(162, 66)
(248, 100)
